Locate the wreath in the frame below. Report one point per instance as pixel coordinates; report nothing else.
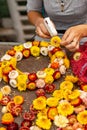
(58, 65)
(67, 106)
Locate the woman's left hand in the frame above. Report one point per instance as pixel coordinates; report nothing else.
(71, 38)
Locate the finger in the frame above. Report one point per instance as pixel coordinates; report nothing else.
(71, 45)
(44, 29)
(75, 49)
(40, 33)
(74, 44)
(67, 38)
(66, 34)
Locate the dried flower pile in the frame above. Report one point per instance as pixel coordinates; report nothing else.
(66, 108)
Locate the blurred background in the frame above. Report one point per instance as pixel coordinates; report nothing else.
(14, 24)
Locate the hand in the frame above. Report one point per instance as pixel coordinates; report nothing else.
(71, 38)
(41, 29)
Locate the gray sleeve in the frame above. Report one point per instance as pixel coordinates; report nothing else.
(34, 5)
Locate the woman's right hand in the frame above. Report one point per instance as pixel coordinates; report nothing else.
(41, 28)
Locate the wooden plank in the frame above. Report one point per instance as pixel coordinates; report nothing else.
(7, 32)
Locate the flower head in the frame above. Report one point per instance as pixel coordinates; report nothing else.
(39, 103)
(43, 122)
(58, 94)
(35, 51)
(21, 86)
(65, 108)
(82, 117)
(52, 101)
(60, 121)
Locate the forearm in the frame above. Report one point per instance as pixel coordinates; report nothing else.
(35, 17)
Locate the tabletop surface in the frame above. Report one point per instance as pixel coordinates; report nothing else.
(31, 64)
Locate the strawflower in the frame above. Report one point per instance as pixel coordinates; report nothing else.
(58, 94)
(7, 118)
(3, 128)
(35, 51)
(49, 79)
(82, 117)
(74, 94)
(66, 63)
(42, 113)
(43, 122)
(39, 103)
(21, 86)
(49, 71)
(71, 78)
(66, 85)
(61, 121)
(65, 108)
(52, 101)
(18, 48)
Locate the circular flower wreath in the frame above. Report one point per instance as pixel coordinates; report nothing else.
(17, 79)
(66, 108)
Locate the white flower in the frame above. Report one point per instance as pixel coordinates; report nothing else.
(40, 83)
(62, 69)
(6, 90)
(44, 51)
(27, 45)
(13, 83)
(13, 74)
(61, 62)
(35, 128)
(83, 94)
(6, 57)
(18, 55)
(60, 121)
(41, 74)
(50, 48)
(4, 109)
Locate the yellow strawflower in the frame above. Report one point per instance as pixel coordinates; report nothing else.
(18, 48)
(55, 41)
(1, 95)
(13, 61)
(58, 94)
(35, 51)
(44, 44)
(74, 94)
(82, 117)
(66, 85)
(21, 86)
(42, 112)
(49, 71)
(66, 63)
(66, 94)
(49, 79)
(71, 78)
(59, 54)
(22, 77)
(39, 103)
(65, 108)
(43, 122)
(3, 128)
(52, 101)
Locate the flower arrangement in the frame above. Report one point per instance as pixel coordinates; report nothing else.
(58, 65)
(66, 108)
